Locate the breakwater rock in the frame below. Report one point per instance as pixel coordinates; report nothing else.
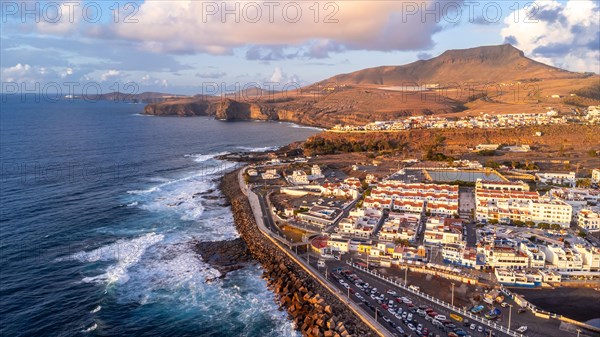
(225, 256)
(314, 310)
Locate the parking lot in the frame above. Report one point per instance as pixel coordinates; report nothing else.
(403, 314)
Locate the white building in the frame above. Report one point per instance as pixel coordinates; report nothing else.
(315, 173)
(298, 177)
(270, 174)
(557, 178)
(501, 254)
(489, 147)
(590, 255)
(563, 259)
(400, 227)
(443, 230)
(252, 172)
(552, 211)
(588, 220)
(537, 258)
(508, 202)
(338, 244)
(361, 222)
(596, 176)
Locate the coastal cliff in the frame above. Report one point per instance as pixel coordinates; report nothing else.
(225, 109)
(313, 309)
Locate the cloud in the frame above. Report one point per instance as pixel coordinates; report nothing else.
(282, 78)
(213, 75)
(18, 73)
(66, 72)
(565, 35)
(60, 18)
(355, 25)
(110, 74)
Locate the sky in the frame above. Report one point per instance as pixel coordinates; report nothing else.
(191, 46)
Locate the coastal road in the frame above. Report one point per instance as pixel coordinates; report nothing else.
(382, 314)
(383, 286)
(538, 327)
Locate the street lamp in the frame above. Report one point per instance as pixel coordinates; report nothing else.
(578, 331)
(378, 309)
(452, 293)
(405, 275)
(509, 315)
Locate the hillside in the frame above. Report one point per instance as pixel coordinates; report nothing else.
(492, 79)
(482, 64)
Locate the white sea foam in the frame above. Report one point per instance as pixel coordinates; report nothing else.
(96, 309)
(126, 252)
(202, 157)
(146, 191)
(172, 271)
(90, 328)
(258, 149)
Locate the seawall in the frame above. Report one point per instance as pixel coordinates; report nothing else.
(314, 310)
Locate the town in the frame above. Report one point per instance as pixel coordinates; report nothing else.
(590, 116)
(465, 224)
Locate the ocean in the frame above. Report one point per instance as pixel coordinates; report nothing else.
(100, 207)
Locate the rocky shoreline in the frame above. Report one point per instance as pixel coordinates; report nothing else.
(315, 311)
(225, 256)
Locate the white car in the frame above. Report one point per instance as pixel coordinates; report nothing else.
(412, 327)
(522, 329)
(391, 292)
(472, 327)
(440, 318)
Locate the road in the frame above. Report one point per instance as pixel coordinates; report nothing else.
(372, 305)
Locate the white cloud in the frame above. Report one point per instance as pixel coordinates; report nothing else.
(277, 75)
(564, 35)
(61, 18)
(66, 72)
(282, 79)
(19, 73)
(186, 26)
(150, 80)
(110, 74)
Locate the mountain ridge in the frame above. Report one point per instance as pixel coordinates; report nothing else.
(489, 79)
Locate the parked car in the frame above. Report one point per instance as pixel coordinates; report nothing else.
(522, 329)
(440, 317)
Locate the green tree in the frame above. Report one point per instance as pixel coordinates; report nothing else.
(544, 225)
(584, 183)
(582, 233)
(402, 242)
